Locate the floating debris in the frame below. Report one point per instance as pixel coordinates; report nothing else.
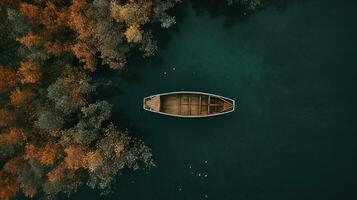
(164, 73)
(206, 161)
(199, 174)
(205, 175)
(174, 68)
(190, 167)
(206, 196)
(179, 189)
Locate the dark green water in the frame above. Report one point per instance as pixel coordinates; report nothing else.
(293, 74)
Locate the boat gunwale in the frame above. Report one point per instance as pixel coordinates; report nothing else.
(190, 92)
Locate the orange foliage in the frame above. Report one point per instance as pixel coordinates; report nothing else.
(21, 96)
(86, 54)
(30, 189)
(46, 155)
(133, 34)
(93, 160)
(73, 81)
(13, 136)
(132, 12)
(57, 48)
(30, 151)
(14, 165)
(9, 186)
(31, 39)
(8, 78)
(52, 17)
(78, 157)
(57, 174)
(7, 117)
(78, 21)
(75, 157)
(60, 173)
(31, 11)
(30, 71)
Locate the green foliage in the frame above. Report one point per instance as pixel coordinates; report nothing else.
(94, 114)
(118, 151)
(6, 151)
(49, 121)
(8, 45)
(18, 22)
(51, 189)
(89, 126)
(62, 94)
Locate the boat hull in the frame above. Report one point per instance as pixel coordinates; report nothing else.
(188, 104)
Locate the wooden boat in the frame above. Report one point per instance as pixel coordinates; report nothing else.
(189, 104)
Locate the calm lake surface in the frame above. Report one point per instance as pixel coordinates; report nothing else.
(292, 71)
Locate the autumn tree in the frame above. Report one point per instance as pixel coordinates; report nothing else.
(45, 155)
(61, 180)
(97, 33)
(93, 160)
(71, 90)
(8, 78)
(21, 96)
(30, 71)
(117, 152)
(89, 126)
(133, 34)
(7, 117)
(30, 10)
(85, 54)
(75, 157)
(31, 39)
(104, 28)
(13, 136)
(57, 174)
(11, 141)
(9, 186)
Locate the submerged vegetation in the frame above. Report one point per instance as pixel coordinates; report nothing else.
(56, 136)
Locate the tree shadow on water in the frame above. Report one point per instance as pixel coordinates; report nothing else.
(163, 36)
(218, 8)
(237, 12)
(106, 88)
(282, 5)
(131, 76)
(128, 123)
(133, 73)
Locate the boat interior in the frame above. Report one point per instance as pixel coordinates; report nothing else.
(189, 104)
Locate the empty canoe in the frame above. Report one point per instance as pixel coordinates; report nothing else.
(189, 104)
